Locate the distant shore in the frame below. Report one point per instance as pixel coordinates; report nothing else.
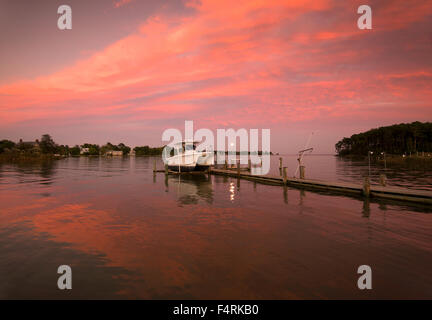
(47, 149)
(13, 157)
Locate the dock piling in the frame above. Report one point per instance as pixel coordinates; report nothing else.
(302, 172)
(383, 180)
(366, 187)
(284, 175)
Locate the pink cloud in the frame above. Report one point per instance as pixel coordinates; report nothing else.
(246, 63)
(121, 3)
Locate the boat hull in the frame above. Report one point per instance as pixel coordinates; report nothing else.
(181, 168)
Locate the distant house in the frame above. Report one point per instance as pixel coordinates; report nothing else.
(29, 145)
(114, 153)
(84, 150)
(34, 144)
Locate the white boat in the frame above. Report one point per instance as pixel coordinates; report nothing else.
(186, 158)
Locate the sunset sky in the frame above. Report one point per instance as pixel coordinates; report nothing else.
(130, 69)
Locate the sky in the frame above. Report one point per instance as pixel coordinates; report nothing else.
(130, 69)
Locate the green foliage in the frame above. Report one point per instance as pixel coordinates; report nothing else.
(6, 145)
(75, 151)
(47, 144)
(111, 147)
(148, 151)
(108, 147)
(46, 147)
(94, 149)
(28, 147)
(124, 148)
(396, 139)
(63, 150)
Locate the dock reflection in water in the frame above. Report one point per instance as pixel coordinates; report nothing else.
(129, 234)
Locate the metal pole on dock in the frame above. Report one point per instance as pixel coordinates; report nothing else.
(369, 154)
(385, 162)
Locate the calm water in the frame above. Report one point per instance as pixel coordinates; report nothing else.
(127, 233)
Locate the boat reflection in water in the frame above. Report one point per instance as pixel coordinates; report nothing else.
(191, 188)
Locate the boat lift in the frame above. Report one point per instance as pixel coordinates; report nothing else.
(302, 152)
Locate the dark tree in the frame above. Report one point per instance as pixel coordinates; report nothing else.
(6, 145)
(94, 149)
(401, 138)
(148, 151)
(47, 144)
(124, 148)
(75, 151)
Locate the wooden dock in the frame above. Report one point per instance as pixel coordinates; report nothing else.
(365, 189)
(395, 193)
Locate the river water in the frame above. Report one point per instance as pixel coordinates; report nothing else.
(130, 234)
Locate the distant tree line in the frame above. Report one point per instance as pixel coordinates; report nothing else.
(148, 151)
(44, 146)
(47, 146)
(396, 139)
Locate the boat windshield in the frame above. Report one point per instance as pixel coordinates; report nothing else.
(187, 146)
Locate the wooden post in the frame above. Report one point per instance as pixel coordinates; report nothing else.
(238, 168)
(366, 187)
(280, 167)
(383, 180)
(154, 165)
(284, 174)
(302, 172)
(249, 164)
